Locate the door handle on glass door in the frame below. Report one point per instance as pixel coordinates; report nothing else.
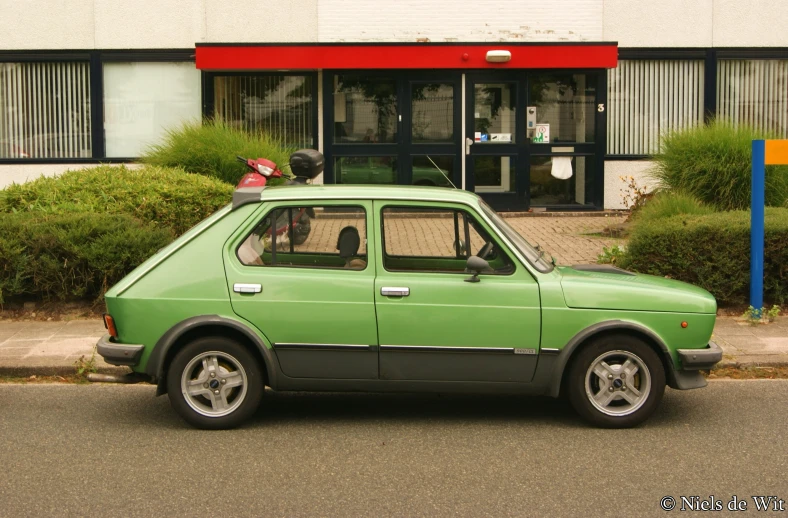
(399, 291)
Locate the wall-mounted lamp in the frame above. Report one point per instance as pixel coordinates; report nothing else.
(498, 56)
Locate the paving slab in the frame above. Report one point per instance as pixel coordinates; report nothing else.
(82, 328)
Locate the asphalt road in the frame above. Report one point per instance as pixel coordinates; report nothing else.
(104, 450)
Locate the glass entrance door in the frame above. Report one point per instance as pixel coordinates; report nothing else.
(495, 144)
(564, 144)
(393, 128)
(536, 139)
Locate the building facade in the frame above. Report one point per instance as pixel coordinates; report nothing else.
(530, 104)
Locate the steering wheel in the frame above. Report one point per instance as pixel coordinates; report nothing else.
(486, 250)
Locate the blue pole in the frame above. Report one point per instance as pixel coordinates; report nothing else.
(757, 222)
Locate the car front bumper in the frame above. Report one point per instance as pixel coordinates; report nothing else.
(700, 359)
(118, 354)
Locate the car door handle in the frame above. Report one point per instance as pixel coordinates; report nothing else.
(240, 287)
(391, 291)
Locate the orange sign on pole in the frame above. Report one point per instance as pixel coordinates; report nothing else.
(776, 152)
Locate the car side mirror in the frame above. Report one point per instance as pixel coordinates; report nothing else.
(476, 265)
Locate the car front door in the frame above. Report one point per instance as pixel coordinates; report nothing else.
(432, 323)
(308, 287)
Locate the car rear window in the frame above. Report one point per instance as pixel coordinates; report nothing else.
(308, 237)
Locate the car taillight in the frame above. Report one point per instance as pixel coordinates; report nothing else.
(109, 324)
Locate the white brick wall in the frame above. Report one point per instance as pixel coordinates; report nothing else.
(750, 23)
(662, 23)
(86, 24)
(459, 20)
(615, 187)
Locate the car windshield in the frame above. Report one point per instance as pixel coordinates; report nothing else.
(534, 255)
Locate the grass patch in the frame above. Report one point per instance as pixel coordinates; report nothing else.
(749, 373)
(713, 163)
(210, 149)
(42, 380)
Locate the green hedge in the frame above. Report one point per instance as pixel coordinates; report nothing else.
(169, 197)
(712, 251)
(65, 256)
(211, 148)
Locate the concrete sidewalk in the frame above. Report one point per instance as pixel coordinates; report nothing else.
(33, 347)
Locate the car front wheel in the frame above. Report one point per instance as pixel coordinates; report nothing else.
(616, 382)
(215, 383)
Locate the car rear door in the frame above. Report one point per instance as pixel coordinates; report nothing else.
(315, 306)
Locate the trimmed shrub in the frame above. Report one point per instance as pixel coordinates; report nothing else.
(67, 256)
(168, 197)
(713, 163)
(210, 149)
(665, 204)
(712, 251)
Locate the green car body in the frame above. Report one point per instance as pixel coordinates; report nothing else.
(334, 329)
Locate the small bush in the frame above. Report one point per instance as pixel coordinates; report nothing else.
(210, 149)
(712, 251)
(610, 255)
(665, 204)
(67, 256)
(169, 197)
(713, 163)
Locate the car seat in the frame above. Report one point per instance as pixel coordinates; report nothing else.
(348, 244)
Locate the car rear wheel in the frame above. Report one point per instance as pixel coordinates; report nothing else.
(616, 382)
(215, 383)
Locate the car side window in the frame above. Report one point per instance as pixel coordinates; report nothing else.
(437, 240)
(308, 237)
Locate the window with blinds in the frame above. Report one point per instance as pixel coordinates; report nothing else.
(280, 106)
(45, 110)
(754, 92)
(647, 98)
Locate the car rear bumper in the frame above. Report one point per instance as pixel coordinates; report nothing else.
(700, 359)
(118, 354)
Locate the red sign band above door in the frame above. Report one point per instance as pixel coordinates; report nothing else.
(229, 56)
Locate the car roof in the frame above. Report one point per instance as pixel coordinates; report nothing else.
(371, 192)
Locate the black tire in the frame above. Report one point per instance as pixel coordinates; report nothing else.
(588, 392)
(235, 364)
(302, 229)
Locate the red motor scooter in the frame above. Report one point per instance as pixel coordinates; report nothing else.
(305, 164)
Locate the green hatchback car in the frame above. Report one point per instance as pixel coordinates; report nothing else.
(407, 289)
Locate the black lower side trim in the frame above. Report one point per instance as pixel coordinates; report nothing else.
(327, 361)
(446, 387)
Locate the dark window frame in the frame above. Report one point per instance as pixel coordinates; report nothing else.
(479, 228)
(208, 92)
(402, 149)
(364, 237)
(96, 59)
(710, 55)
